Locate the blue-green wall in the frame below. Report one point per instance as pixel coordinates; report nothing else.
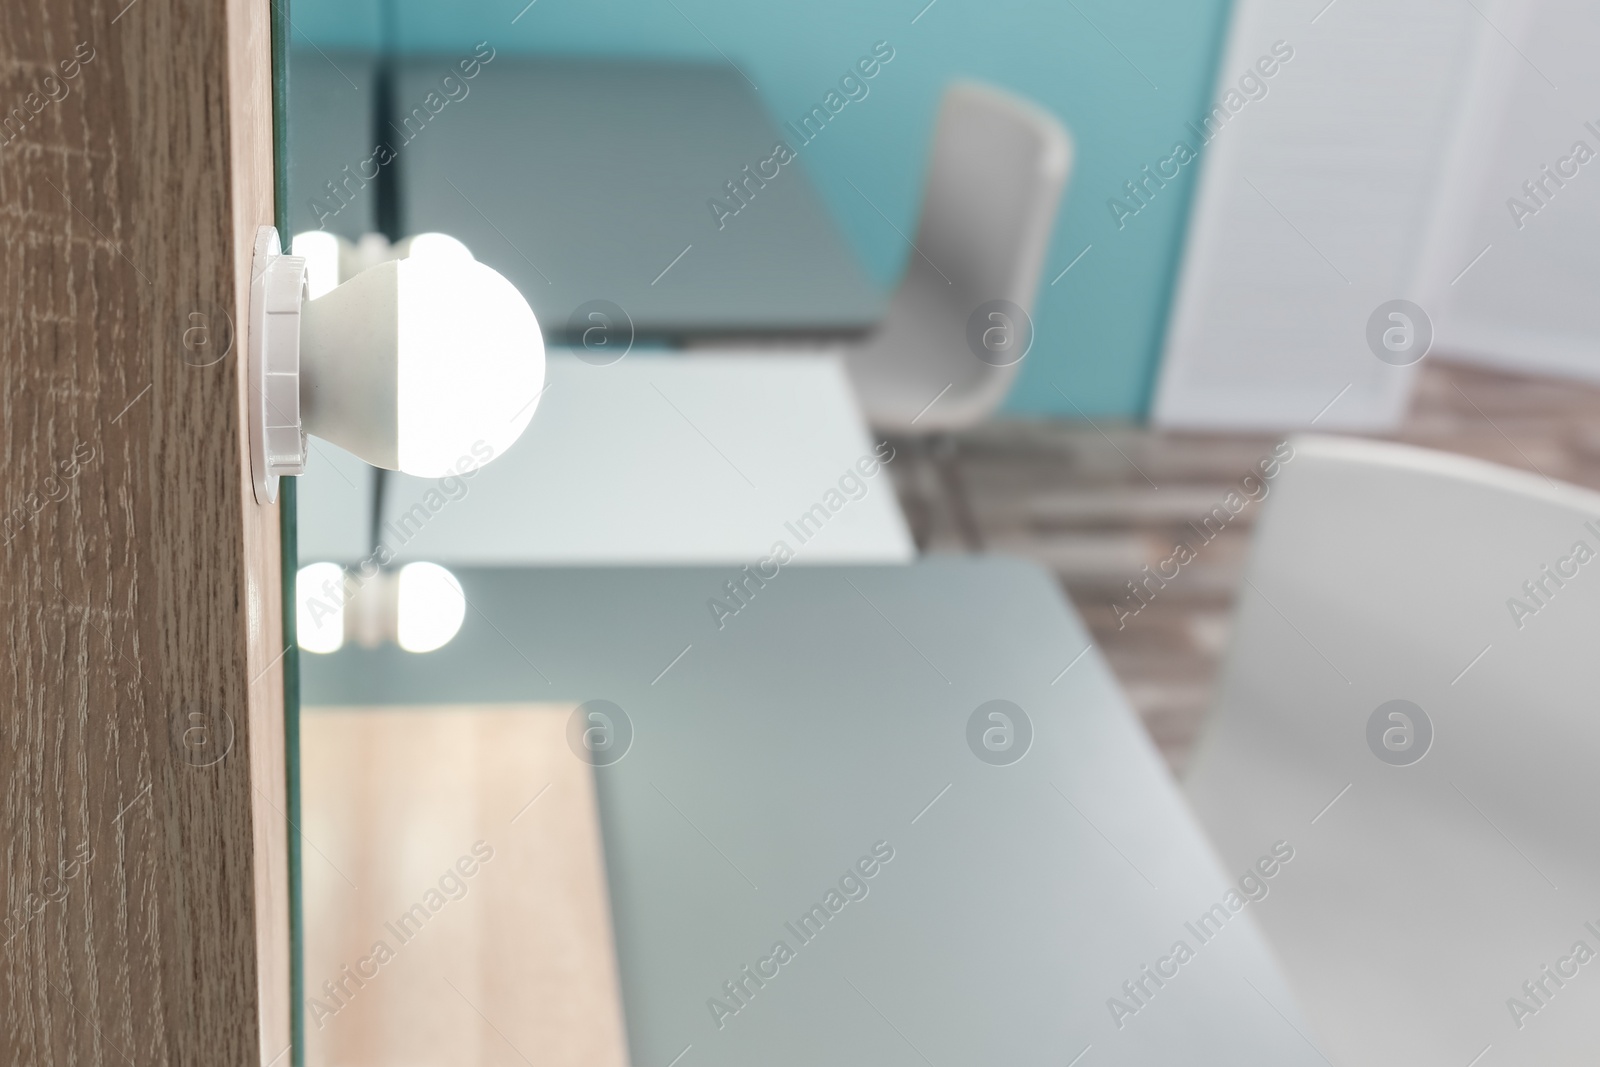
(1099, 328)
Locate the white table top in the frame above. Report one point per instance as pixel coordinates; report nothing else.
(658, 459)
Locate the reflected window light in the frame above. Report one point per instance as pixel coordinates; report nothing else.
(321, 252)
(319, 607)
(429, 607)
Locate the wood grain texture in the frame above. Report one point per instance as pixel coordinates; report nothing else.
(482, 818)
(141, 761)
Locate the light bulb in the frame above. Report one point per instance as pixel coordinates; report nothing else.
(420, 360)
(428, 365)
(429, 607)
(471, 365)
(319, 607)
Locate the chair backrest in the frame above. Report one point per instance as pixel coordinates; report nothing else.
(1410, 699)
(996, 174)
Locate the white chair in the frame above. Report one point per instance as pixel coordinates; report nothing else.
(1423, 894)
(949, 347)
(995, 178)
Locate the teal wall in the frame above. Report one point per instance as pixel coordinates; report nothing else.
(1099, 328)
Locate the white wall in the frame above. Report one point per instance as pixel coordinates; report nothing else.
(1313, 209)
(1532, 302)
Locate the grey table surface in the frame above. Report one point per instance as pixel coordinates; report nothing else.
(833, 712)
(588, 179)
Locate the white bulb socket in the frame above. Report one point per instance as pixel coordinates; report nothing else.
(277, 292)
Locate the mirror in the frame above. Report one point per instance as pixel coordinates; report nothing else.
(931, 614)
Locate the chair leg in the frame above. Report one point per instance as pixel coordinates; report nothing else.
(914, 489)
(945, 462)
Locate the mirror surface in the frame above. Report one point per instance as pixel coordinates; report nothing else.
(924, 612)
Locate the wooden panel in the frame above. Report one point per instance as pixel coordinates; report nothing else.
(455, 894)
(141, 760)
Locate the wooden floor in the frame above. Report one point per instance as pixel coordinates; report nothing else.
(1095, 503)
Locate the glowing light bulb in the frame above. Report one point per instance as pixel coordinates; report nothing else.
(421, 360)
(429, 607)
(319, 607)
(321, 252)
(471, 364)
(428, 365)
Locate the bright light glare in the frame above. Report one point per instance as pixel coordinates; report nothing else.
(470, 365)
(319, 607)
(429, 607)
(321, 252)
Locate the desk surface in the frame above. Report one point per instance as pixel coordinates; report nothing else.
(587, 179)
(834, 714)
(655, 459)
(462, 835)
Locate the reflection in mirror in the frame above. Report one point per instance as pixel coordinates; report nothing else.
(994, 533)
(419, 607)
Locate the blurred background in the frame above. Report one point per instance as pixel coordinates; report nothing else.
(1187, 307)
(887, 290)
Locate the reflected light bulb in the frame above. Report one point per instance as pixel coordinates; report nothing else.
(440, 247)
(321, 252)
(331, 260)
(319, 607)
(429, 607)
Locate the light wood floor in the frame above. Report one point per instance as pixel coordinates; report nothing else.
(1095, 503)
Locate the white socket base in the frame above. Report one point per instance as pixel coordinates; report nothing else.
(277, 437)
